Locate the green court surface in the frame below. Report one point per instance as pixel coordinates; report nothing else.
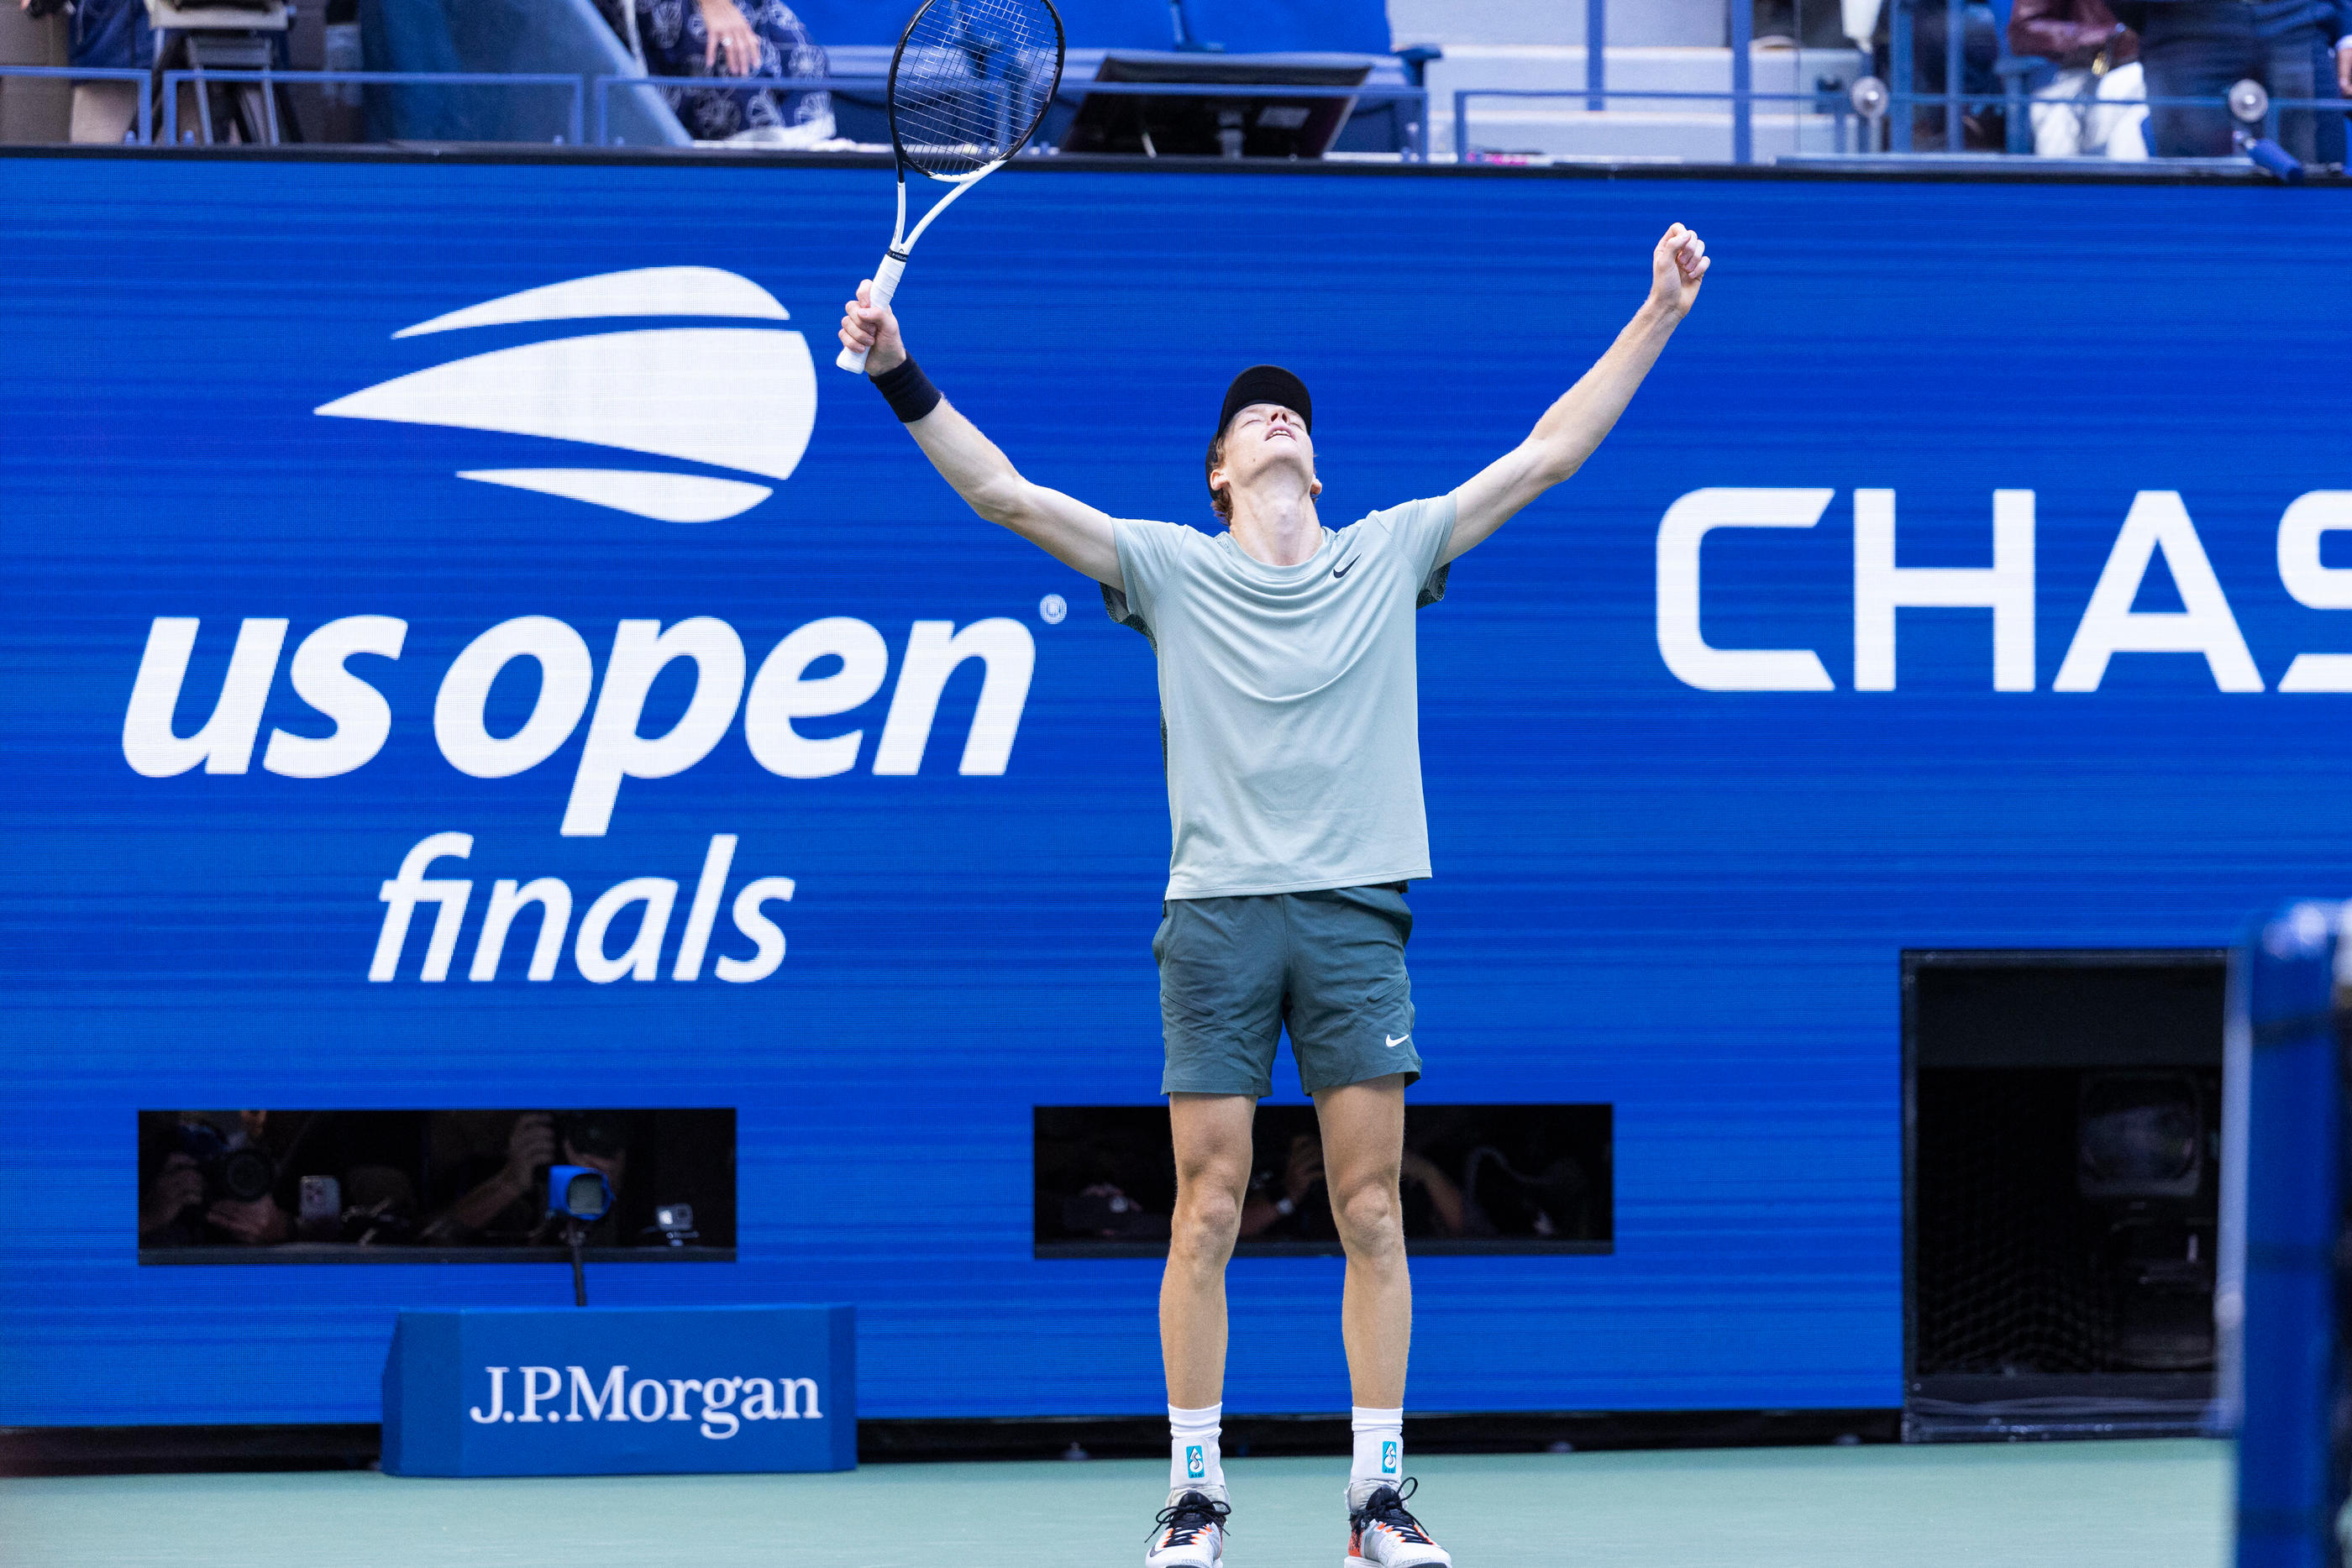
(2071, 1505)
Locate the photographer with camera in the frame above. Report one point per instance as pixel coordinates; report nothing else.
(215, 1185)
(497, 1162)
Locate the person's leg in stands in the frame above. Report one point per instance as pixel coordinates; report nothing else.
(2119, 126)
(2196, 48)
(2327, 131)
(2287, 72)
(2059, 110)
(103, 110)
(113, 34)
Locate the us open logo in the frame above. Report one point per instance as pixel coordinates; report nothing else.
(741, 397)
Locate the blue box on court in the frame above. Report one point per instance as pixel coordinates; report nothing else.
(621, 1391)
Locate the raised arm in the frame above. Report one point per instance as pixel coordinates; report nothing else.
(1570, 430)
(1069, 530)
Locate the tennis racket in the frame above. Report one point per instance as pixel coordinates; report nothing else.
(970, 84)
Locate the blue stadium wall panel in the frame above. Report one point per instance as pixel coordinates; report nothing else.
(1688, 902)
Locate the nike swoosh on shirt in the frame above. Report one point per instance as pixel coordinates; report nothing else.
(1342, 569)
(1397, 1042)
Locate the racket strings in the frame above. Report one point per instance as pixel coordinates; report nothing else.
(972, 80)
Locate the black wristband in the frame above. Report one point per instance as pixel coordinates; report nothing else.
(908, 390)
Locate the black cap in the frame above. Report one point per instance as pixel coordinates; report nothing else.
(1268, 383)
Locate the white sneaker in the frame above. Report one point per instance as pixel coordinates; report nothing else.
(1190, 1532)
(1381, 1534)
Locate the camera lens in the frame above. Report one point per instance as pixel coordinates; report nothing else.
(584, 1195)
(246, 1175)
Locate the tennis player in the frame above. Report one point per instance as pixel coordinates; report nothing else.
(1288, 702)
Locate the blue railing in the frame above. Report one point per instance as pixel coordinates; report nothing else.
(93, 73)
(1841, 115)
(174, 80)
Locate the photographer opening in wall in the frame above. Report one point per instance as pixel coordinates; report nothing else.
(266, 1178)
(215, 1186)
(1471, 1177)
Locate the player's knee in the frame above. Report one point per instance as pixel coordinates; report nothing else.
(1208, 1217)
(1370, 1218)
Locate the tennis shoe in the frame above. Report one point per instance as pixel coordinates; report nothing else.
(1381, 1534)
(1190, 1532)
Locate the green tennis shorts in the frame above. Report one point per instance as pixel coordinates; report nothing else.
(1329, 966)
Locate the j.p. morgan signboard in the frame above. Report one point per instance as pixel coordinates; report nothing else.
(621, 1391)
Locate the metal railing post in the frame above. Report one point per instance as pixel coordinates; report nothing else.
(1956, 26)
(1743, 85)
(1905, 82)
(1461, 125)
(1596, 54)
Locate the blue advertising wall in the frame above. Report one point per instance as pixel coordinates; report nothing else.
(1688, 902)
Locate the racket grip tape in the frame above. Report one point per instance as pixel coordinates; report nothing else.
(886, 284)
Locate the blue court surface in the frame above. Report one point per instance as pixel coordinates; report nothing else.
(2160, 1504)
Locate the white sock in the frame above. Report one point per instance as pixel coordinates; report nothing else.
(1193, 1463)
(1380, 1451)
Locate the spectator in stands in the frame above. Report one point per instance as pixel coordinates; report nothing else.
(1983, 122)
(2089, 108)
(2332, 62)
(717, 38)
(2199, 48)
(108, 34)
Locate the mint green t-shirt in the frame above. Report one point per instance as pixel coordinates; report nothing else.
(1288, 700)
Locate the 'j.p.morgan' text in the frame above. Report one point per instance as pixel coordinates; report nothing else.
(721, 1405)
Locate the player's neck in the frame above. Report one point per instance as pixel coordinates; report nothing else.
(1276, 524)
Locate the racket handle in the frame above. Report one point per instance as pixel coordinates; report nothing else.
(886, 284)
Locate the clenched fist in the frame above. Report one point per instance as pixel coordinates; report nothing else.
(1676, 268)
